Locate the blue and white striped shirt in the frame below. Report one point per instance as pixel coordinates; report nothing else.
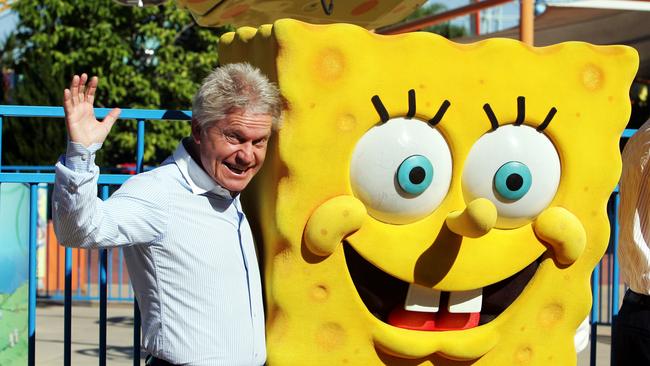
(188, 249)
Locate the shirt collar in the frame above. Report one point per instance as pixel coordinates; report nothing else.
(196, 177)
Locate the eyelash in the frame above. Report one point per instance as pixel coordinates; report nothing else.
(384, 116)
(521, 115)
(521, 112)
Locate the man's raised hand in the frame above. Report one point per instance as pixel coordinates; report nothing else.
(80, 119)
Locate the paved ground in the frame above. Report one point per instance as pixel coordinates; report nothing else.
(85, 336)
(602, 347)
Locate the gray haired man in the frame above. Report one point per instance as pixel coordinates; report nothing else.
(187, 243)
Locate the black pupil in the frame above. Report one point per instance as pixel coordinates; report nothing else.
(514, 182)
(416, 175)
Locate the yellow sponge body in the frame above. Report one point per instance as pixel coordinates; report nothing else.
(329, 74)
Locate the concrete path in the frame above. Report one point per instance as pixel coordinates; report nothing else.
(604, 341)
(85, 336)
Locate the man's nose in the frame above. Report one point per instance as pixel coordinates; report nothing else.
(245, 154)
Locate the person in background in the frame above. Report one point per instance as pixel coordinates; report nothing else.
(187, 244)
(631, 328)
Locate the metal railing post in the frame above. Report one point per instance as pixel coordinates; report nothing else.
(33, 235)
(103, 298)
(595, 313)
(136, 310)
(67, 310)
(1, 124)
(120, 273)
(140, 147)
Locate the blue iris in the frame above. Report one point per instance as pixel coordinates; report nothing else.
(512, 181)
(415, 174)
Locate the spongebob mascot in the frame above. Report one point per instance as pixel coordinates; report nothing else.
(432, 203)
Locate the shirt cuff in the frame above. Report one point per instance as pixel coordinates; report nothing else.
(79, 158)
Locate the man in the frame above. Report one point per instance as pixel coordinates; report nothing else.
(631, 329)
(187, 244)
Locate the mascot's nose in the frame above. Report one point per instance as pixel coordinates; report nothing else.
(476, 220)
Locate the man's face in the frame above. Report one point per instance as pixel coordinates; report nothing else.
(233, 149)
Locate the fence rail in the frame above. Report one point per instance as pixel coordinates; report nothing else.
(605, 278)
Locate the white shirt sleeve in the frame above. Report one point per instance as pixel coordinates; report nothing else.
(135, 214)
(581, 338)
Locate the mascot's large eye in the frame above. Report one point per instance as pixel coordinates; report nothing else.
(401, 170)
(517, 168)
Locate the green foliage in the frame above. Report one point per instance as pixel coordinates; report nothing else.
(57, 38)
(446, 30)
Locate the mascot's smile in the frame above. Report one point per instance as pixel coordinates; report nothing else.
(384, 295)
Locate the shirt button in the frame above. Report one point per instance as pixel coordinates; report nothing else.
(84, 157)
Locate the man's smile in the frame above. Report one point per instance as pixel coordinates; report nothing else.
(235, 169)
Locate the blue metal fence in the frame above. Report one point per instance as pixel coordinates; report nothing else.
(605, 276)
(119, 288)
(35, 175)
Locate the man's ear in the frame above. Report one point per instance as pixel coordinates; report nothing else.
(196, 131)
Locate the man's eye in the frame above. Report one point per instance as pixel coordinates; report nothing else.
(260, 143)
(232, 138)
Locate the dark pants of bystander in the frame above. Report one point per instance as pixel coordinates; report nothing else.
(631, 331)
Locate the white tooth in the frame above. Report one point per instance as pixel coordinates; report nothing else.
(466, 301)
(422, 299)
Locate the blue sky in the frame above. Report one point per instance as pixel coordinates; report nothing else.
(492, 19)
(8, 20)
